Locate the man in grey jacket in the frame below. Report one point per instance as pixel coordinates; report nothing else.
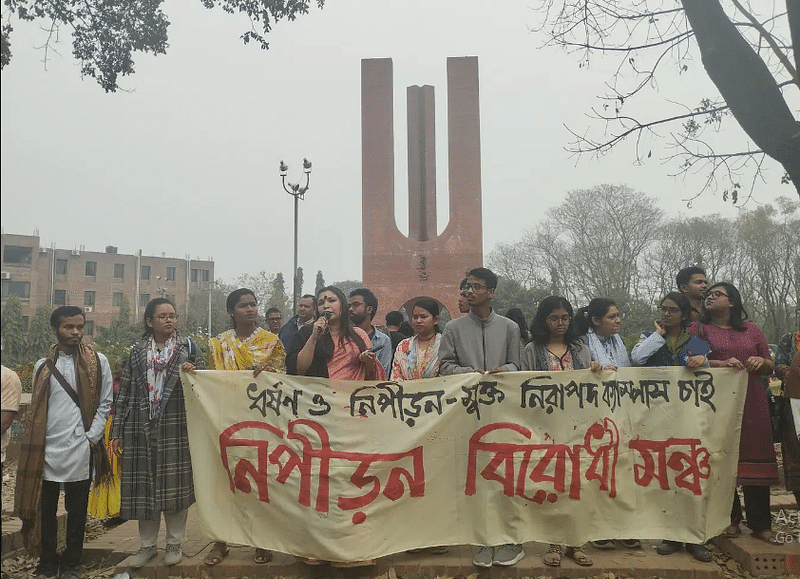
(482, 341)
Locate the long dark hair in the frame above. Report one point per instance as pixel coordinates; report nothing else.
(233, 299)
(738, 313)
(431, 306)
(539, 332)
(516, 315)
(683, 303)
(346, 329)
(150, 313)
(597, 308)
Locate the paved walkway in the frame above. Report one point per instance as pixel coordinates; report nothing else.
(755, 556)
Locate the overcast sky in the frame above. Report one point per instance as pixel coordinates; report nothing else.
(186, 162)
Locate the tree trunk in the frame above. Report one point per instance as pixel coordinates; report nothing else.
(793, 14)
(746, 84)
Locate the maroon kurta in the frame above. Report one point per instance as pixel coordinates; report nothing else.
(757, 464)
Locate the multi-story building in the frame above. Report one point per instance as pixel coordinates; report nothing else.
(97, 281)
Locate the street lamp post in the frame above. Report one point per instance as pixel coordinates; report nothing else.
(298, 192)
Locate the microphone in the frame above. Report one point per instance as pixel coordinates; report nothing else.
(327, 316)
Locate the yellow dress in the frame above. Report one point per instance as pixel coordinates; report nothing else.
(104, 500)
(262, 347)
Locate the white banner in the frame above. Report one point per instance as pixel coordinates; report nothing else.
(346, 471)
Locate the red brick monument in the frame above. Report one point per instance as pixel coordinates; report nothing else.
(400, 269)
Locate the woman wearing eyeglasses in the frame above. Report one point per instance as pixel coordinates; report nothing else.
(666, 346)
(736, 343)
(149, 433)
(556, 346)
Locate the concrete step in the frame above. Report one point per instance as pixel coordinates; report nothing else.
(12, 533)
(644, 563)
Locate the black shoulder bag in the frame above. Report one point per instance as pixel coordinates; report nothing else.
(98, 455)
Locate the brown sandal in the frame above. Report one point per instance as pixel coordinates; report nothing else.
(553, 556)
(313, 562)
(351, 564)
(732, 531)
(767, 536)
(217, 553)
(578, 555)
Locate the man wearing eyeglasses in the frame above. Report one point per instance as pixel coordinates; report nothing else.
(482, 341)
(692, 283)
(274, 320)
(363, 307)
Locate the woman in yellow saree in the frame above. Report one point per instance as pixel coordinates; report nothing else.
(245, 347)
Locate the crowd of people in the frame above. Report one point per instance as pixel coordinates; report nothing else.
(333, 336)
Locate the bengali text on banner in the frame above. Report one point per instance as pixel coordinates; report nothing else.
(348, 471)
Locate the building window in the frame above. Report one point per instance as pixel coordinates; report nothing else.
(206, 275)
(170, 274)
(116, 299)
(88, 298)
(119, 270)
(59, 297)
(88, 328)
(145, 273)
(21, 289)
(61, 266)
(144, 299)
(17, 255)
(91, 268)
(194, 276)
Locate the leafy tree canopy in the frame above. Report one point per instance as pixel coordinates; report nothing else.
(106, 35)
(278, 297)
(40, 335)
(320, 282)
(347, 285)
(116, 340)
(13, 330)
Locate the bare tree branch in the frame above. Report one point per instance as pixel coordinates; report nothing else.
(769, 39)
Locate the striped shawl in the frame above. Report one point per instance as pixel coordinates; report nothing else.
(28, 492)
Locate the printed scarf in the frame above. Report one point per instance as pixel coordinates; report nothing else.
(157, 361)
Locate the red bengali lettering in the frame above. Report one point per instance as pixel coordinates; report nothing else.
(691, 467)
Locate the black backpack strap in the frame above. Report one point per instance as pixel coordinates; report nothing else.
(67, 388)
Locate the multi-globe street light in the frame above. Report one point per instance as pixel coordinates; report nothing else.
(298, 192)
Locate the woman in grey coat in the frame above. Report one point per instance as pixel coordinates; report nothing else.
(149, 433)
(554, 347)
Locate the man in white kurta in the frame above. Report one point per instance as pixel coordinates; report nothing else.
(67, 452)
